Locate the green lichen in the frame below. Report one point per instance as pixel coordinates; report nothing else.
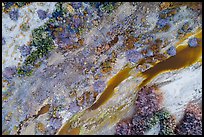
(20, 71)
(107, 8)
(29, 73)
(37, 35)
(167, 123)
(23, 72)
(43, 42)
(153, 121)
(32, 58)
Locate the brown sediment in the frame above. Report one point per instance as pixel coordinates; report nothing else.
(6, 132)
(115, 40)
(129, 43)
(185, 57)
(67, 131)
(106, 66)
(80, 100)
(64, 129)
(41, 127)
(151, 60)
(105, 47)
(74, 131)
(108, 92)
(169, 5)
(193, 5)
(43, 110)
(81, 41)
(165, 5)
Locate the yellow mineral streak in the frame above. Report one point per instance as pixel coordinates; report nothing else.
(186, 56)
(105, 96)
(109, 91)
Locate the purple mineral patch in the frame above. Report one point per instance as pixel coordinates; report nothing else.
(124, 128)
(56, 123)
(73, 107)
(42, 14)
(9, 72)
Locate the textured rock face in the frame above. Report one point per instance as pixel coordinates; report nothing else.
(125, 68)
(191, 124)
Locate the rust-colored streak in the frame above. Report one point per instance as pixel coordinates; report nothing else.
(108, 92)
(185, 57)
(115, 40)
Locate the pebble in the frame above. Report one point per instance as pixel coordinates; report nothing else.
(193, 42)
(171, 51)
(3, 41)
(149, 53)
(162, 22)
